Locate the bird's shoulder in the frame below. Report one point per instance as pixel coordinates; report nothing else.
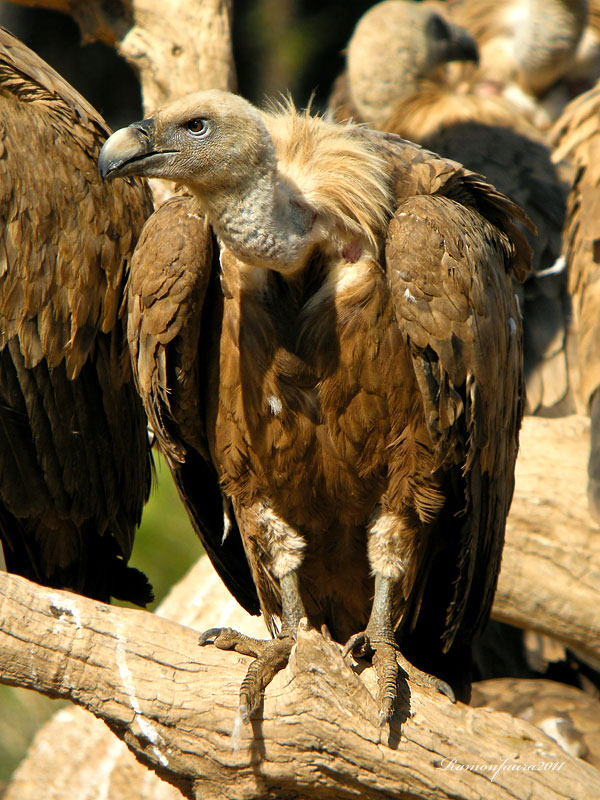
(66, 237)
(170, 272)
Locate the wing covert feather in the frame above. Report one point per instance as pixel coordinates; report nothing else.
(71, 423)
(578, 139)
(447, 268)
(169, 289)
(66, 237)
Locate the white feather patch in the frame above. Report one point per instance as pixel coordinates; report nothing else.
(275, 405)
(387, 545)
(284, 544)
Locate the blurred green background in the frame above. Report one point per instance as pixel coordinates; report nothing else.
(279, 46)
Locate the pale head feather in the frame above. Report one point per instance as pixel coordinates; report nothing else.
(340, 176)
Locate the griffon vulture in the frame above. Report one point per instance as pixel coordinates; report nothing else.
(577, 137)
(74, 456)
(526, 47)
(343, 346)
(486, 134)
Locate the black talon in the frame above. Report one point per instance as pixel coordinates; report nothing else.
(270, 656)
(208, 636)
(358, 640)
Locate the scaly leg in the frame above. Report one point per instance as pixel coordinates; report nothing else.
(378, 638)
(269, 655)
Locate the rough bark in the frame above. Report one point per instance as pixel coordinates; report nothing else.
(316, 735)
(550, 577)
(148, 679)
(176, 46)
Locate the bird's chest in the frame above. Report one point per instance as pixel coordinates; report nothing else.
(303, 417)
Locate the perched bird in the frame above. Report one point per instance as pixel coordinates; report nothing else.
(346, 356)
(486, 134)
(526, 47)
(577, 138)
(398, 48)
(75, 465)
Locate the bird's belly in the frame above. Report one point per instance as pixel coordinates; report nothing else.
(328, 470)
(302, 443)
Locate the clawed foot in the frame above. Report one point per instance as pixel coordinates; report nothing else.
(386, 661)
(270, 656)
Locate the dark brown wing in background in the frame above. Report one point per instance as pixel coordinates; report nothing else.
(173, 291)
(75, 465)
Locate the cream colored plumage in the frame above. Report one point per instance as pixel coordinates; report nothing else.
(526, 49)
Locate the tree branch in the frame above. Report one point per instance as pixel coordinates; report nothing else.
(175, 46)
(174, 703)
(550, 577)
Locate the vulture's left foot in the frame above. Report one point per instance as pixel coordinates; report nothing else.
(387, 660)
(378, 638)
(270, 656)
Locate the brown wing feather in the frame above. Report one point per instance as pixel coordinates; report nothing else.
(520, 167)
(170, 279)
(73, 428)
(578, 138)
(447, 270)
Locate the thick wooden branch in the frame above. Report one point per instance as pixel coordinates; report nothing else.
(549, 519)
(176, 46)
(317, 735)
(550, 578)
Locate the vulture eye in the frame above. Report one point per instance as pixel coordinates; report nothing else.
(197, 126)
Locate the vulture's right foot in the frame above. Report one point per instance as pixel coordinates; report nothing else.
(270, 656)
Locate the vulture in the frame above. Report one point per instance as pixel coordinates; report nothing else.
(577, 137)
(328, 326)
(75, 464)
(486, 134)
(526, 47)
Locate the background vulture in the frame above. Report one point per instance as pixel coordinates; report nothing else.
(344, 349)
(577, 138)
(415, 97)
(527, 49)
(74, 457)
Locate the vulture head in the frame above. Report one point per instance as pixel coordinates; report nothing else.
(395, 45)
(210, 141)
(218, 146)
(273, 186)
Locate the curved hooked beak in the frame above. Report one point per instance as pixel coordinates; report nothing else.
(131, 151)
(462, 46)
